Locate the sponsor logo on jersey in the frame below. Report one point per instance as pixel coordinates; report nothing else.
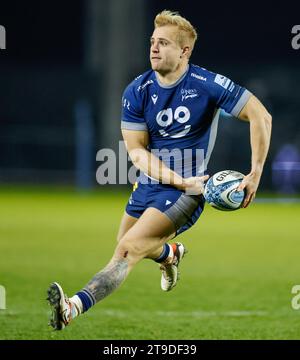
(142, 87)
(154, 98)
(166, 117)
(177, 135)
(238, 93)
(222, 81)
(199, 77)
(188, 93)
(126, 103)
(231, 87)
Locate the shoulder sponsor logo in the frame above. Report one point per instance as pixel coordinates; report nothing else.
(231, 87)
(138, 77)
(188, 93)
(222, 81)
(238, 93)
(142, 87)
(154, 98)
(199, 77)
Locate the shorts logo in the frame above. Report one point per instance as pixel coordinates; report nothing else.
(135, 186)
(222, 81)
(168, 202)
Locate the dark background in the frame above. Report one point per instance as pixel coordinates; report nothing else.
(52, 32)
(62, 54)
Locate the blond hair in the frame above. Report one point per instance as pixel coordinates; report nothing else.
(186, 34)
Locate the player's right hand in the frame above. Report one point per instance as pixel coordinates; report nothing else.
(195, 185)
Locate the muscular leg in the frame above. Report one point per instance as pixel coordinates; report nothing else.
(127, 222)
(145, 238)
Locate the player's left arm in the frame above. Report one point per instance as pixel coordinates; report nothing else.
(260, 135)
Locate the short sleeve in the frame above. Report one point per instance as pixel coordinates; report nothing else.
(132, 112)
(228, 96)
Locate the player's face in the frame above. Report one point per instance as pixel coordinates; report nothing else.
(165, 52)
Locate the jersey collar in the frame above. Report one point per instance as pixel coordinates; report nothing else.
(176, 82)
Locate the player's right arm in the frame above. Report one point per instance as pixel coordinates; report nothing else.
(136, 143)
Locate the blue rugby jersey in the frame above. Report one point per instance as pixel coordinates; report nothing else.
(182, 117)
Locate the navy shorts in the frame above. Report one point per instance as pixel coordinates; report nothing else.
(184, 210)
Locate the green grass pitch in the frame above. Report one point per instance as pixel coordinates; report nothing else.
(235, 282)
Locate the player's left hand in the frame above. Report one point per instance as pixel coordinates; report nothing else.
(249, 184)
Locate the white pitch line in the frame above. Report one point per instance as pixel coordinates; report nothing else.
(186, 314)
(183, 314)
(287, 200)
(203, 314)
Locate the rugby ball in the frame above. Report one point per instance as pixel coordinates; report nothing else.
(220, 190)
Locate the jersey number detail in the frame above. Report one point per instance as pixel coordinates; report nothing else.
(165, 118)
